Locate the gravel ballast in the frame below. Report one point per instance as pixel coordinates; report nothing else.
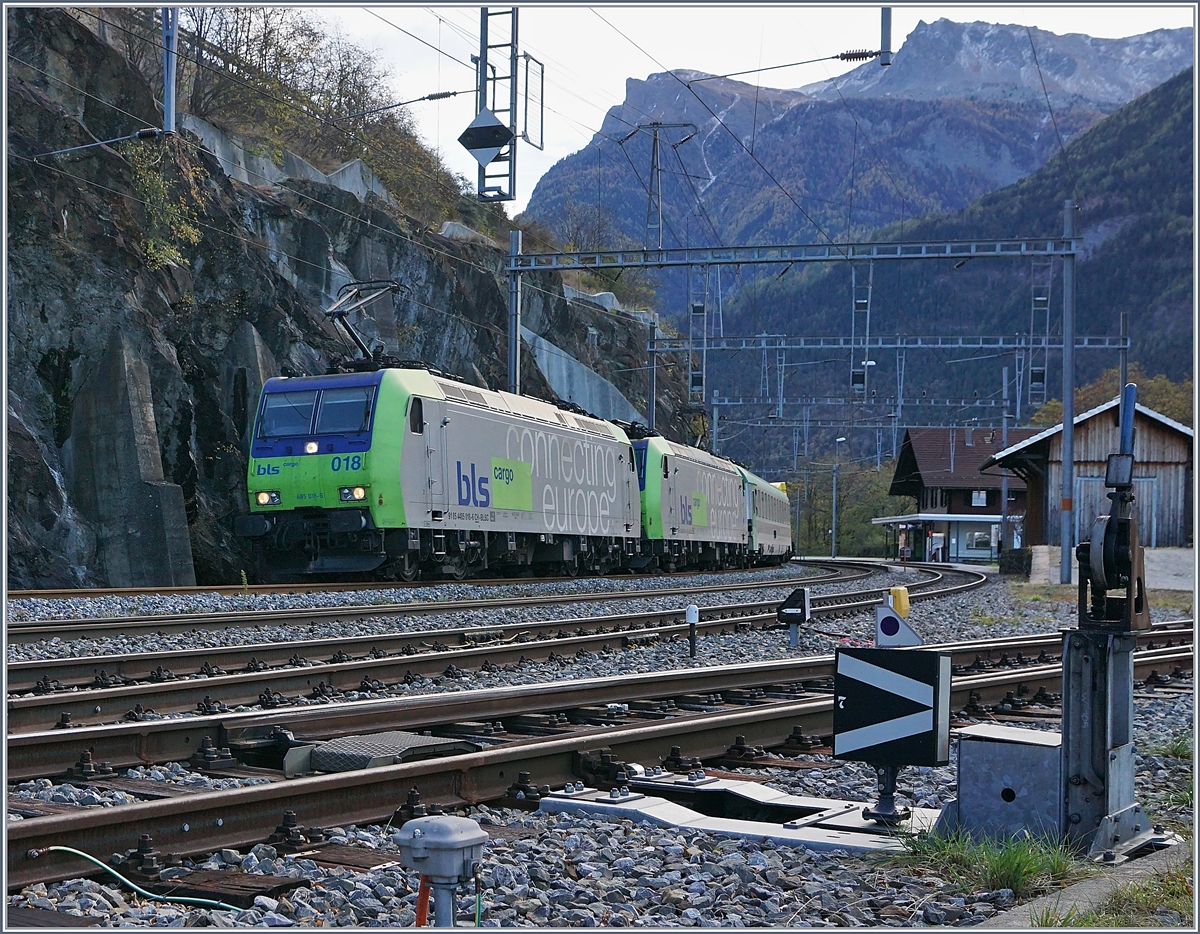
(32, 609)
(504, 614)
(584, 871)
(986, 612)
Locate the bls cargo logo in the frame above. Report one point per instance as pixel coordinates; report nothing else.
(264, 469)
(472, 489)
(693, 509)
(508, 485)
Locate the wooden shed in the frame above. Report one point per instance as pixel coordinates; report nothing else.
(1163, 454)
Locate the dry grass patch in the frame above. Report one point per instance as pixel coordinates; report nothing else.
(1161, 900)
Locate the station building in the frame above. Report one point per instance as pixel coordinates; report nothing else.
(958, 515)
(1162, 485)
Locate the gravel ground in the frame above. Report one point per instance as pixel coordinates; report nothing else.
(584, 871)
(441, 591)
(172, 773)
(380, 625)
(630, 875)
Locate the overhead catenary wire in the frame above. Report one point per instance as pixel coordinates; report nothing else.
(304, 111)
(843, 56)
(456, 258)
(435, 96)
(148, 133)
(722, 123)
(1054, 120)
(366, 221)
(253, 243)
(419, 39)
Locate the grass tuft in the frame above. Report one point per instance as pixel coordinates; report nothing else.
(1024, 864)
(1178, 746)
(1184, 797)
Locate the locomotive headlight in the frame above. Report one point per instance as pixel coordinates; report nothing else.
(350, 494)
(267, 498)
(311, 447)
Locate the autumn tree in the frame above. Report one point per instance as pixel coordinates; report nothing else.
(1168, 398)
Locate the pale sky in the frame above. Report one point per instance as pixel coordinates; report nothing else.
(588, 61)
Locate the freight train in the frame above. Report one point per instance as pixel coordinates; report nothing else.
(400, 472)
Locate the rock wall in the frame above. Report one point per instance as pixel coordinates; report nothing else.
(116, 476)
(245, 304)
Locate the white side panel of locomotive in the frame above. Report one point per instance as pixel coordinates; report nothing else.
(702, 498)
(495, 471)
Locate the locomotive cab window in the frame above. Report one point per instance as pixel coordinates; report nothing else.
(416, 416)
(666, 469)
(345, 411)
(286, 414)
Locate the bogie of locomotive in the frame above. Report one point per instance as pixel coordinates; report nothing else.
(397, 473)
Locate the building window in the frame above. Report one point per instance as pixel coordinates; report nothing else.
(979, 497)
(979, 540)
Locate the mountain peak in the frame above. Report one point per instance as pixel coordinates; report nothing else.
(994, 61)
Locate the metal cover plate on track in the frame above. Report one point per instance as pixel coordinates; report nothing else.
(234, 888)
(597, 796)
(841, 828)
(349, 753)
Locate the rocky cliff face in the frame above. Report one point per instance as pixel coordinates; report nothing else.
(86, 269)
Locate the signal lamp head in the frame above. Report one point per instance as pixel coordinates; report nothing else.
(350, 494)
(311, 447)
(267, 498)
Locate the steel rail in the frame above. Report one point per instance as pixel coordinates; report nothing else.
(22, 631)
(50, 751)
(32, 711)
(204, 822)
(24, 676)
(234, 590)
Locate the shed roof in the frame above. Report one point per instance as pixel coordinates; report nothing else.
(1008, 453)
(925, 460)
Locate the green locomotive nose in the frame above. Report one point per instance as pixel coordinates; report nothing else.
(312, 443)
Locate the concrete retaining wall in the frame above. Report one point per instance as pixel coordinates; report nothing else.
(252, 169)
(574, 382)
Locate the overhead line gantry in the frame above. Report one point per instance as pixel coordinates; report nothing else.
(1065, 247)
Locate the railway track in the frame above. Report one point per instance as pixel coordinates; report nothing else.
(236, 590)
(547, 726)
(100, 688)
(38, 753)
(32, 631)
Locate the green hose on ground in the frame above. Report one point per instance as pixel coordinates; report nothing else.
(199, 902)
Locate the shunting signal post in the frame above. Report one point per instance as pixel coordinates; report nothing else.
(1100, 809)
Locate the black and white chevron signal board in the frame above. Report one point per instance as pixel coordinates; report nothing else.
(891, 707)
